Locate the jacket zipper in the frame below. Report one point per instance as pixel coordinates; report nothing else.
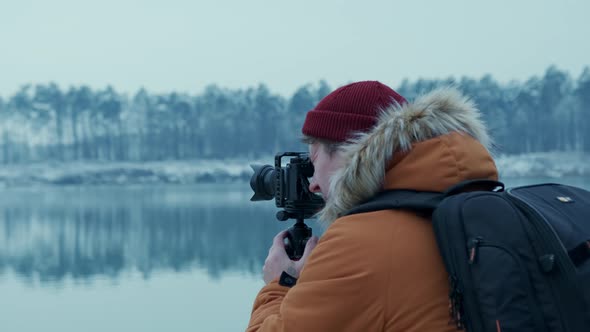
(456, 298)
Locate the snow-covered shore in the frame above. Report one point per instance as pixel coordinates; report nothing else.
(544, 164)
(89, 173)
(554, 165)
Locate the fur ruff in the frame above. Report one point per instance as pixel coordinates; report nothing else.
(366, 156)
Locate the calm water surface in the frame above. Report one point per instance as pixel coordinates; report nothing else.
(142, 258)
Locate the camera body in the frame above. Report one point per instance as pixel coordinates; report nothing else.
(289, 187)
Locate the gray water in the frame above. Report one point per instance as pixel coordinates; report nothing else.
(142, 258)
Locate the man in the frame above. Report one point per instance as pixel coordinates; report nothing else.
(376, 271)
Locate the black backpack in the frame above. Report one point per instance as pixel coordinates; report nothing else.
(518, 259)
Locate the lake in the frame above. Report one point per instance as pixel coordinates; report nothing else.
(137, 258)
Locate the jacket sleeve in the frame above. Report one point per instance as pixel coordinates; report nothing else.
(267, 304)
(330, 295)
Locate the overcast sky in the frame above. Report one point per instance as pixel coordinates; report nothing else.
(184, 45)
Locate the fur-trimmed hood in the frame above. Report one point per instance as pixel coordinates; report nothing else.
(430, 144)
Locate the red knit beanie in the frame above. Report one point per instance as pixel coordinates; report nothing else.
(352, 108)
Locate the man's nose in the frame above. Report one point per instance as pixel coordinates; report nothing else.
(314, 187)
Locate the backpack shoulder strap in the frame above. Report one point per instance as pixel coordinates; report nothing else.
(423, 202)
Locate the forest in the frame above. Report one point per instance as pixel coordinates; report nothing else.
(44, 122)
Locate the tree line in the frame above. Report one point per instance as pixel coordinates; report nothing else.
(45, 123)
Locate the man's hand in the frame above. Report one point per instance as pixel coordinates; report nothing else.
(278, 261)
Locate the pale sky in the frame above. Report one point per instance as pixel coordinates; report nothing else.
(184, 45)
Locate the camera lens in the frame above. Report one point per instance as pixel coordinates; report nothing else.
(263, 182)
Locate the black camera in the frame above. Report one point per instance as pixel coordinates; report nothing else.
(289, 187)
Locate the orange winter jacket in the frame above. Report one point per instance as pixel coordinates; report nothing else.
(382, 271)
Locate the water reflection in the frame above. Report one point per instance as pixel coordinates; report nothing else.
(81, 232)
(53, 233)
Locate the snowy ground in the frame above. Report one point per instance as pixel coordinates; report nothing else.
(181, 172)
(555, 165)
(545, 164)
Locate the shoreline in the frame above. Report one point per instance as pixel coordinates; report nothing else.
(547, 164)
